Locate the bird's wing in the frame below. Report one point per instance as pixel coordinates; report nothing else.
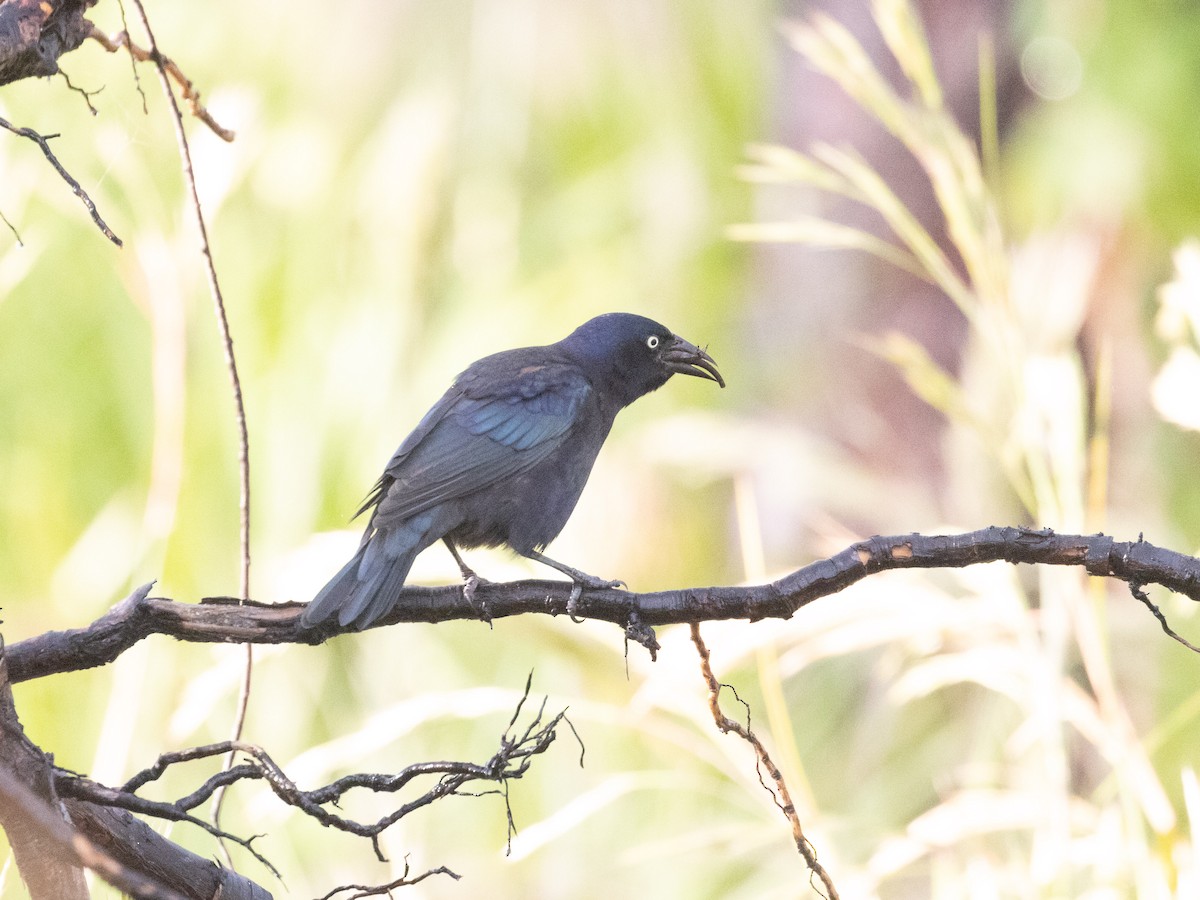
(414, 439)
(487, 427)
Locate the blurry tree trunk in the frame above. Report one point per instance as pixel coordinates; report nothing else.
(27, 800)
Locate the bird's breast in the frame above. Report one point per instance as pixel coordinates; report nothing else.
(526, 511)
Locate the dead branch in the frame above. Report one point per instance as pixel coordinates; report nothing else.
(16, 234)
(99, 813)
(138, 847)
(35, 33)
(166, 70)
(518, 747)
(54, 868)
(227, 620)
(780, 794)
(77, 787)
(187, 88)
(362, 890)
(54, 837)
(41, 838)
(43, 141)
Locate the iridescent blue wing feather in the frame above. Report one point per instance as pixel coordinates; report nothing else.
(477, 435)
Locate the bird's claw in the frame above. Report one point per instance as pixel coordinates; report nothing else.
(573, 603)
(592, 583)
(600, 584)
(470, 584)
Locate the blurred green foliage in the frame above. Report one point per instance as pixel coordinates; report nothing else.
(415, 185)
(1118, 151)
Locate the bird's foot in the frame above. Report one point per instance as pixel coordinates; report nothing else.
(471, 583)
(592, 583)
(581, 580)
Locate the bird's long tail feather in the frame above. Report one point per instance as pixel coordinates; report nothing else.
(367, 587)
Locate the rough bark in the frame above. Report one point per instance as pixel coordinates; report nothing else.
(35, 33)
(54, 839)
(226, 620)
(30, 813)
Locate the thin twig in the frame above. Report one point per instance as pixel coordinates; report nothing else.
(513, 758)
(191, 96)
(1135, 588)
(781, 796)
(13, 229)
(87, 95)
(43, 141)
(380, 889)
(166, 70)
(137, 80)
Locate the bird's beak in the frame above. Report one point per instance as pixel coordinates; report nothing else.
(688, 359)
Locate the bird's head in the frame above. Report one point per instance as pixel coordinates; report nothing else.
(635, 355)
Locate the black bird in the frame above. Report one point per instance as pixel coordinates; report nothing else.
(503, 457)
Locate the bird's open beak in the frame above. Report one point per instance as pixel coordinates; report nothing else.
(688, 359)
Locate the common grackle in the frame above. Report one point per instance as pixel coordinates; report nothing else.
(503, 457)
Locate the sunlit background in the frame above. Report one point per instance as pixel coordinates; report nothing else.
(414, 185)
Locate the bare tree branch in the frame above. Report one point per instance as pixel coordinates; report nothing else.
(226, 620)
(137, 846)
(53, 871)
(166, 70)
(518, 747)
(1135, 588)
(511, 761)
(362, 891)
(42, 840)
(35, 33)
(16, 234)
(43, 141)
(187, 88)
(77, 787)
(54, 838)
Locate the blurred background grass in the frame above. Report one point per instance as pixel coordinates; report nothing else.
(416, 185)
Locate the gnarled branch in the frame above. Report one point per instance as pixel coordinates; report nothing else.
(518, 747)
(54, 836)
(226, 620)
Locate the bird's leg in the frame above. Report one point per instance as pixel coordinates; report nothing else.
(580, 581)
(471, 580)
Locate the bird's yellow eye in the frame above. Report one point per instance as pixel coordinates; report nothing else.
(652, 341)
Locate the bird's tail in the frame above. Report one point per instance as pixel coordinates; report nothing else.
(369, 585)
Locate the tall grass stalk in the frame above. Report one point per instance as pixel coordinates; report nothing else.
(1019, 819)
